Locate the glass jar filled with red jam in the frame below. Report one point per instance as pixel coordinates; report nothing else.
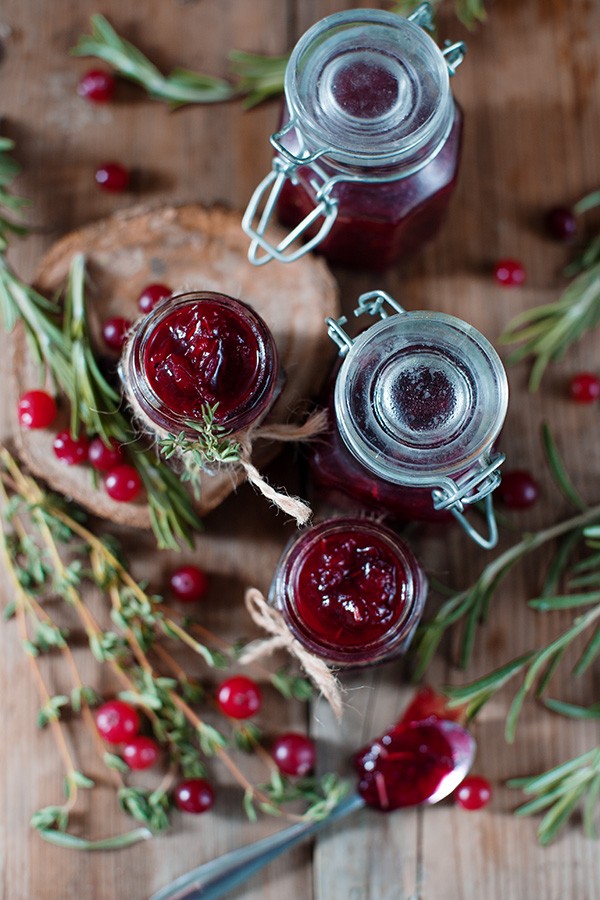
(196, 350)
(368, 154)
(416, 408)
(350, 591)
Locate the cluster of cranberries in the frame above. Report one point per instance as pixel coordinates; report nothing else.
(115, 329)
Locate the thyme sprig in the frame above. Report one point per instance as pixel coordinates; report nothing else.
(49, 551)
(546, 332)
(60, 341)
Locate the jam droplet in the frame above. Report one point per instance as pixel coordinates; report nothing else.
(350, 589)
(405, 766)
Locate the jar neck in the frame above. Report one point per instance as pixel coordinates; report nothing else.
(183, 356)
(369, 89)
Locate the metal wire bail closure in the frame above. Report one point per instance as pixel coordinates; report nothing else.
(284, 167)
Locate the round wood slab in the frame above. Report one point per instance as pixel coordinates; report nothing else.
(187, 247)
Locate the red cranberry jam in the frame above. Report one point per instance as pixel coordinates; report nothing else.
(351, 591)
(197, 350)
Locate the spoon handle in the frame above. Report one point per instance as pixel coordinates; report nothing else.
(215, 878)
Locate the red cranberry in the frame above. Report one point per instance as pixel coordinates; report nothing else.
(36, 409)
(103, 457)
(114, 332)
(69, 450)
(117, 721)
(188, 584)
(195, 795)
(112, 176)
(584, 387)
(295, 754)
(509, 273)
(97, 85)
(140, 752)
(151, 295)
(475, 792)
(239, 697)
(122, 483)
(561, 223)
(518, 489)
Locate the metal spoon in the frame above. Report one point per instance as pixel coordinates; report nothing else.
(214, 879)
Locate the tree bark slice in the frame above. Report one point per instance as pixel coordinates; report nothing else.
(187, 247)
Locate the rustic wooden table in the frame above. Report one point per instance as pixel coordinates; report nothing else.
(529, 89)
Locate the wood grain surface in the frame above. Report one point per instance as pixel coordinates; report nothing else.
(530, 91)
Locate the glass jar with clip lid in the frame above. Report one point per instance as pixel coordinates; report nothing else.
(416, 407)
(367, 155)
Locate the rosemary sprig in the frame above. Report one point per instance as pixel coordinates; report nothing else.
(60, 341)
(546, 332)
(470, 12)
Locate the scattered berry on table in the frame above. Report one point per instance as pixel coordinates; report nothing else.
(239, 697)
(195, 795)
(151, 295)
(475, 792)
(103, 456)
(117, 721)
(561, 223)
(140, 752)
(114, 332)
(509, 273)
(188, 584)
(97, 85)
(69, 450)
(584, 387)
(295, 754)
(518, 489)
(36, 409)
(112, 176)
(123, 483)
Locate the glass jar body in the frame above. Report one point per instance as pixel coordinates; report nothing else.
(350, 591)
(378, 223)
(197, 350)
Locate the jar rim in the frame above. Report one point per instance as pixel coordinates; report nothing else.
(395, 639)
(420, 396)
(420, 110)
(142, 392)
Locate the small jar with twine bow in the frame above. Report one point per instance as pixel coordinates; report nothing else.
(201, 373)
(346, 593)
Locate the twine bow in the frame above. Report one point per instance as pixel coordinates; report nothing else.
(271, 620)
(294, 506)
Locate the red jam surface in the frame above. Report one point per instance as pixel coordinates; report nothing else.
(378, 224)
(209, 351)
(405, 766)
(350, 588)
(365, 89)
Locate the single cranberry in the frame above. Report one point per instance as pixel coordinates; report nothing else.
(97, 85)
(509, 273)
(69, 450)
(584, 387)
(104, 457)
(475, 792)
(112, 176)
(140, 752)
(561, 223)
(117, 721)
(195, 795)
(122, 483)
(295, 754)
(518, 489)
(239, 697)
(114, 332)
(188, 584)
(36, 409)
(151, 295)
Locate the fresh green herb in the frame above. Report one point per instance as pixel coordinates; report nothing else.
(546, 332)
(470, 12)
